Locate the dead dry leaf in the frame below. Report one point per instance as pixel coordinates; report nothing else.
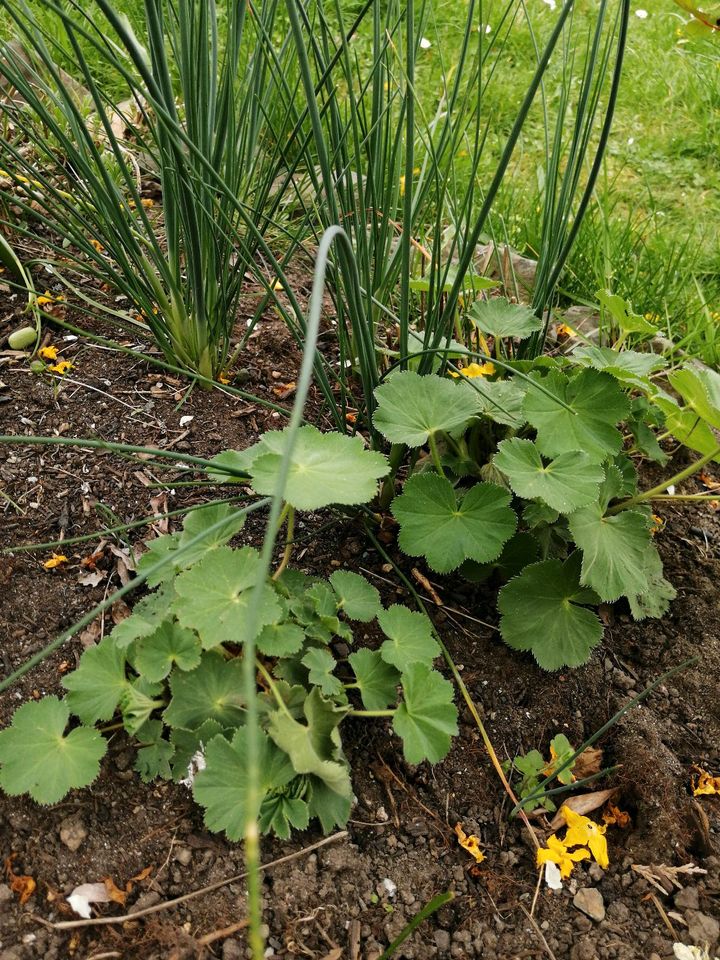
(665, 878)
(470, 843)
(588, 763)
(92, 578)
(583, 804)
(21, 884)
(114, 892)
(119, 611)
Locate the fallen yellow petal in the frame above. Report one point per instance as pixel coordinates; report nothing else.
(55, 560)
(62, 367)
(476, 370)
(613, 815)
(48, 353)
(557, 852)
(706, 785)
(582, 831)
(469, 843)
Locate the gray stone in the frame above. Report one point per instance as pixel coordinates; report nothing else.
(590, 902)
(184, 856)
(687, 899)
(232, 950)
(5, 893)
(703, 930)
(442, 942)
(72, 833)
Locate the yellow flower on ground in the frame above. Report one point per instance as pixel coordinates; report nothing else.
(563, 330)
(62, 367)
(48, 353)
(55, 560)
(614, 815)
(97, 245)
(705, 785)
(469, 843)
(224, 378)
(582, 831)
(556, 852)
(46, 298)
(476, 370)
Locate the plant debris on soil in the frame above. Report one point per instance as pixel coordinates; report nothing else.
(350, 898)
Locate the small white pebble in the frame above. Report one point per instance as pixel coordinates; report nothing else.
(425, 43)
(389, 887)
(641, 14)
(184, 421)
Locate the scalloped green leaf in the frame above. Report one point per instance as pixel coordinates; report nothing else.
(500, 318)
(280, 813)
(569, 481)
(623, 315)
(325, 468)
(500, 400)
(213, 596)
(655, 600)
(280, 639)
(188, 743)
(211, 691)
(410, 408)
(320, 664)
(97, 686)
(426, 720)
(517, 553)
(376, 679)
(545, 610)
(594, 404)
(38, 758)
(613, 550)
(331, 809)
(357, 599)
(170, 645)
(448, 530)
(154, 755)
(622, 364)
(700, 389)
(410, 638)
(222, 786)
(148, 614)
(139, 701)
(314, 747)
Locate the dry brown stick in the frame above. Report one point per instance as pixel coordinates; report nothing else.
(539, 932)
(222, 934)
(103, 921)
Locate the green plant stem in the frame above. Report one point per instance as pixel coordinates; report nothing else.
(267, 677)
(435, 454)
(371, 713)
(660, 489)
(387, 492)
(289, 542)
(688, 497)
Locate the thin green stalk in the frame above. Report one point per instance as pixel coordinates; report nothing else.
(661, 488)
(427, 911)
(437, 462)
(371, 713)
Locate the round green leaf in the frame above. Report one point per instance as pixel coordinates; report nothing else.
(37, 758)
(210, 692)
(325, 468)
(376, 679)
(614, 550)
(543, 611)
(427, 719)
(411, 407)
(569, 481)
(213, 596)
(280, 639)
(410, 638)
(96, 687)
(357, 598)
(594, 404)
(171, 644)
(446, 530)
(320, 664)
(500, 318)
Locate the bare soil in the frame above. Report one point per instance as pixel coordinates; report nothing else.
(350, 898)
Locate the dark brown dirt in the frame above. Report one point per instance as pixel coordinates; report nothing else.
(349, 899)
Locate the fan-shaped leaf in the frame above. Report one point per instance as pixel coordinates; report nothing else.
(410, 638)
(357, 598)
(211, 691)
(436, 524)
(95, 688)
(613, 550)
(411, 407)
(171, 644)
(376, 679)
(427, 719)
(500, 318)
(569, 481)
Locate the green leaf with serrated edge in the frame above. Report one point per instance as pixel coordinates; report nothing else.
(154, 761)
(376, 679)
(187, 743)
(500, 318)
(596, 404)
(197, 524)
(323, 599)
(538, 514)
(611, 488)
(95, 688)
(700, 393)
(621, 364)
(222, 786)
(280, 639)
(410, 638)
(314, 747)
(213, 596)
(623, 315)
(280, 813)
(236, 460)
(139, 701)
(211, 691)
(500, 400)
(148, 614)
(434, 524)
(411, 407)
(358, 599)
(613, 550)
(569, 481)
(293, 696)
(426, 721)
(160, 550)
(171, 644)
(531, 764)
(628, 475)
(517, 553)
(543, 610)
(37, 758)
(688, 427)
(655, 600)
(331, 809)
(561, 750)
(320, 664)
(325, 468)
(320, 616)
(291, 671)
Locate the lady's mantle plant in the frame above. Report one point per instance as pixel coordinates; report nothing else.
(171, 672)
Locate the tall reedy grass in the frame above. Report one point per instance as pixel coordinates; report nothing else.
(204, 118)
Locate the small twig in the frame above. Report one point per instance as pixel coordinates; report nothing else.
(539, 932)
(221, 934)
(156, 908)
